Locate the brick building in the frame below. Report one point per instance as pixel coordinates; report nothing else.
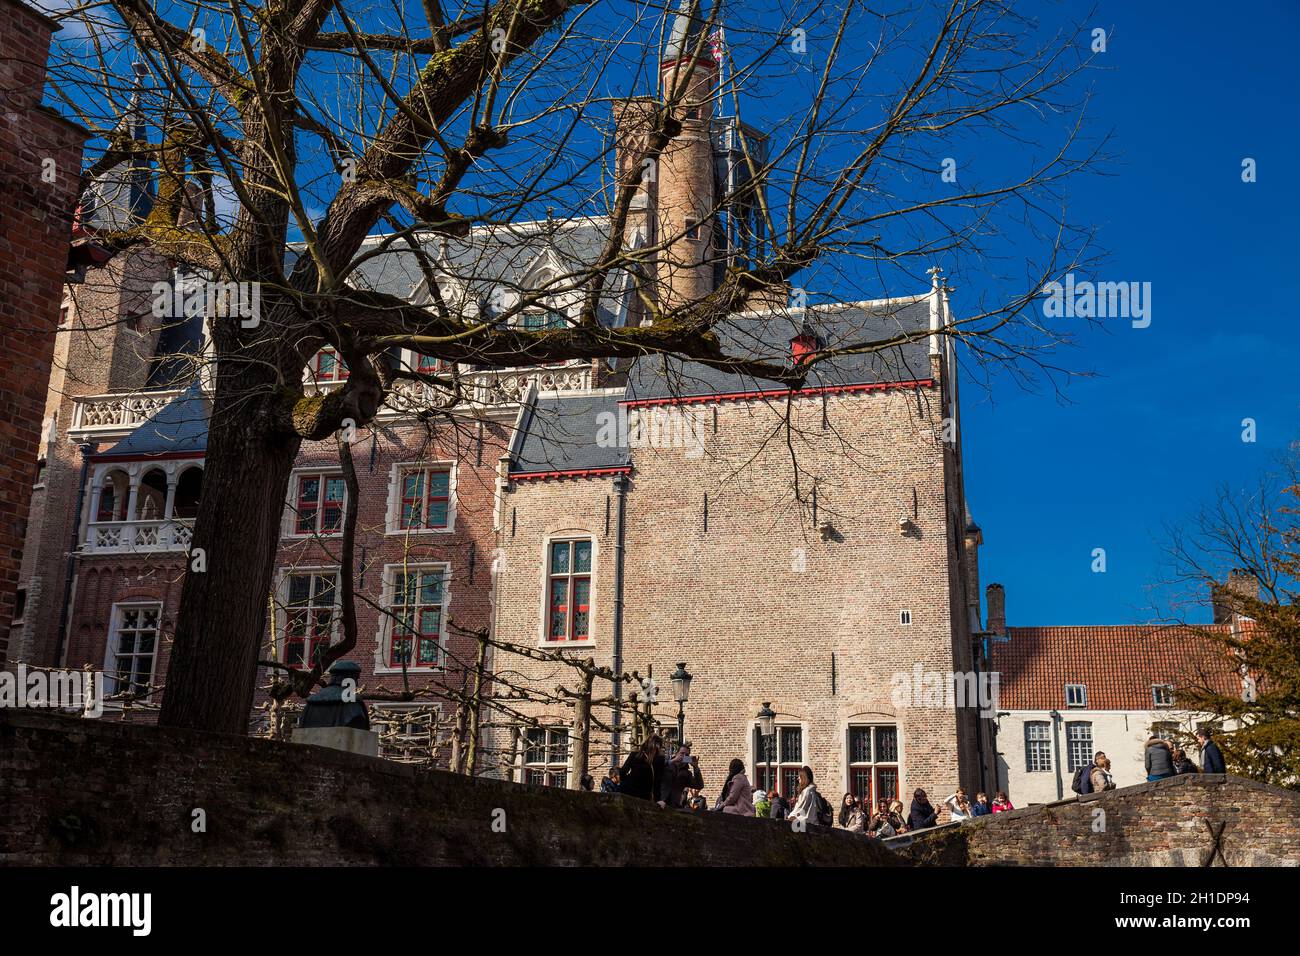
(1067, 692)
(813, 550)
(40, 166)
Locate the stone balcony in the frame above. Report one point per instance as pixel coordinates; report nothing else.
(134, 537)
(111, 416)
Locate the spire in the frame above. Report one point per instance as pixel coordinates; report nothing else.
(122, 194)
(684, 38)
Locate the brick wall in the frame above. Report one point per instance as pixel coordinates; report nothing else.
(1170, 822)
(79, 792)
(40, 163)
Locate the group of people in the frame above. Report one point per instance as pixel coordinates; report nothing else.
(1163, 759)
(675, 783)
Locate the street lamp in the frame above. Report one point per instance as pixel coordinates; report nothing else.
(766, 728)
(681, 693)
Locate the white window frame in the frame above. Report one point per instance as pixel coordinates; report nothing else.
(383, 636)
(1045, 741)
(1071, 763)
(905, 618)
(395, 710)
(546, 766)
(112, 645)
(1167, 702)
(1079, 700)
(282, 607)
(544, 631)
(393, 516)
(289, 527)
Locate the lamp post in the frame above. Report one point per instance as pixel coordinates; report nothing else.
(681, 693)
(766, 728)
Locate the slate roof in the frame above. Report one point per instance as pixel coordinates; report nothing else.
(1117, 664)
(179, 427)
(767, 336)
(570, 433)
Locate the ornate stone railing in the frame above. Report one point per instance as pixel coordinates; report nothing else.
(96, 414)
(115, 537)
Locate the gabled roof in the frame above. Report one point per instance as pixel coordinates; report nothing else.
(179, 427)
(1117, 664)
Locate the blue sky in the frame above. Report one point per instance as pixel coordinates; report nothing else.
(1190, 92)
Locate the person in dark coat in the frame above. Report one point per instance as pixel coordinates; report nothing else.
(779, 808)
(1159, 759)
(1182, 764)
(609, 784)
(681, 774)
(642, 773)
(1211, 758)
(923, 814)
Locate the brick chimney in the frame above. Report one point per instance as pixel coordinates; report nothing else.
(1225, 599)
(995, 597)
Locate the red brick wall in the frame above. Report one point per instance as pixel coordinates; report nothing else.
(35, 222)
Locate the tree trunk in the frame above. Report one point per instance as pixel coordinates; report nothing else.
(222, 619)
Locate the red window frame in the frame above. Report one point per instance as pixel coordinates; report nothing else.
(416, 506)
(568, 590)
(316, 512)
(430, 364)
(873, 769)
(328, 366)
(308, 622)
(419, 597)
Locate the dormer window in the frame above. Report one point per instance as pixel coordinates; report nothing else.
(539, 320)
(1076, 695)
(1162, 695)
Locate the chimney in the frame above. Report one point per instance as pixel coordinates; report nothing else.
(1226, 599)
(996, 598)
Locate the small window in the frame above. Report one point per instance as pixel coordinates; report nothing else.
(569, 591)
(326, 366)
(426, 499)
(539, 320)
(20, 605)
(310, 613)
(318, 504)
(1076, 695)
(1038, 746)
(904, 617)
(692, 112)
(1162, 695)
(546, 757)
(692, 229)
(42, 469)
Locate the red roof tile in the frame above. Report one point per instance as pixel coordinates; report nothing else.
(1118, 665)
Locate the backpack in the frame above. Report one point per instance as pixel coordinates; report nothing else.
(1082, 782)
(824, 814)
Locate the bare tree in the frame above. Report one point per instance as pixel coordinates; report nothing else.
(288, 134)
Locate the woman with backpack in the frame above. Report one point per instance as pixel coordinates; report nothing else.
(811, 807)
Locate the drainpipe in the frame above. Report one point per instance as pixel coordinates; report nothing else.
(615, 737)
(87, 450)
(1056, 753)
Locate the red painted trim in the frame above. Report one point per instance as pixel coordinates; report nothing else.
(160, 456)
(580, 473)
(774, 392)
(705, 61)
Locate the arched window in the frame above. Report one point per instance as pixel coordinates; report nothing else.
(115, 487)
(189, 487)
(151, 499)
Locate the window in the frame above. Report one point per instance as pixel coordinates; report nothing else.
(426, 499)
(1078, 738)
(1038, 746)
(311, 600)
(318, 504)
(326, 366)
(569, 591)
(904, 617)
(1162, 695)
(537, 320)
(406, 734)
(20, 605)
(430, 364)
(546, 756)
(1076, 695)
(419, 597)
(132, 645)
(780, 766)
(692, 229)
(873, 763)
(692, 112)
